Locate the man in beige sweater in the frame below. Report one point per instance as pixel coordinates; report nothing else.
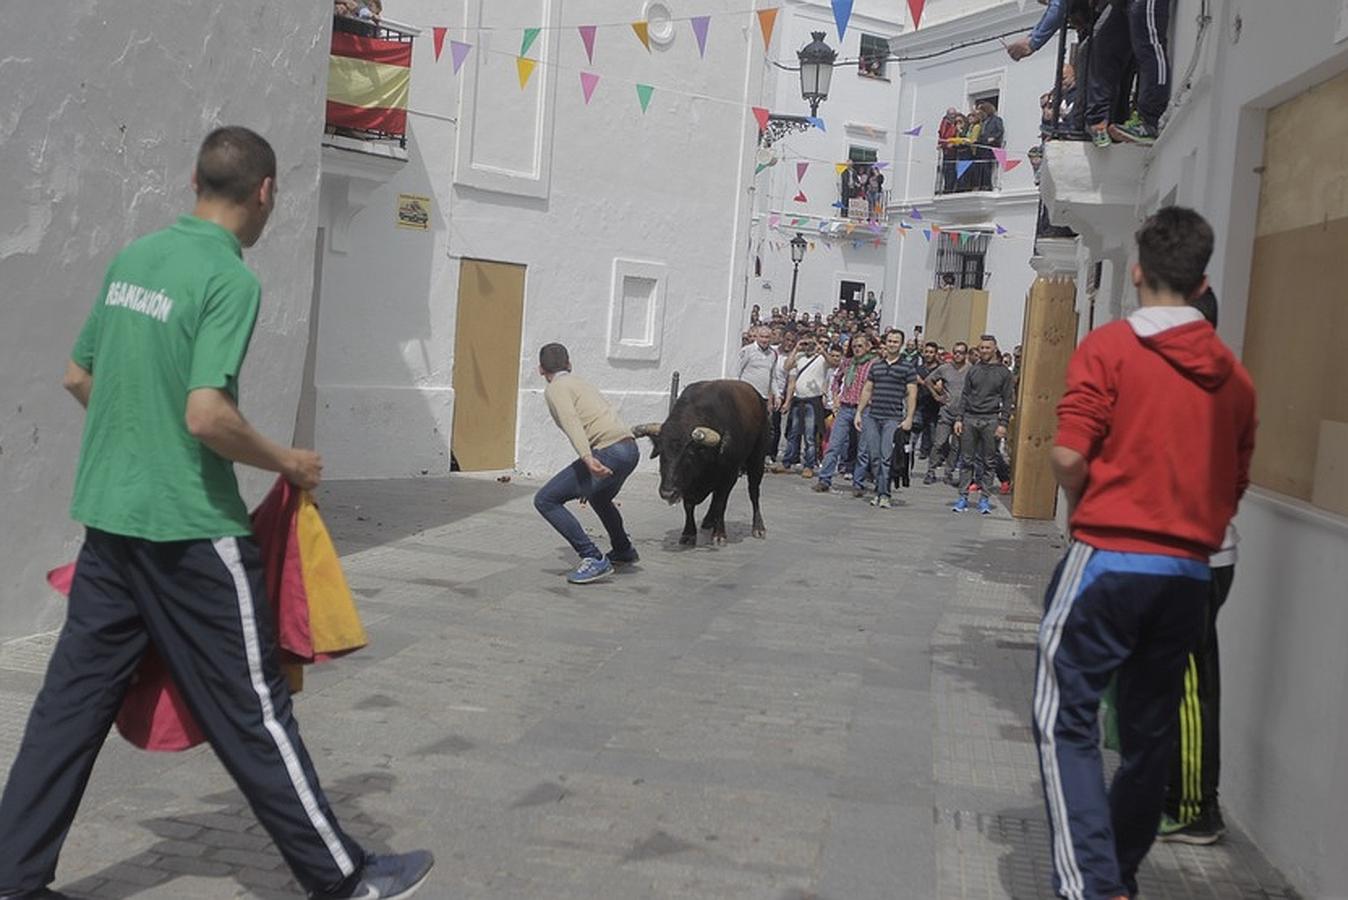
(607, 453)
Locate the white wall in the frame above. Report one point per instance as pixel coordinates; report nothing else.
(930, 86)
(858, 112)
(101, 118)
(1285, 696)
(667, 187)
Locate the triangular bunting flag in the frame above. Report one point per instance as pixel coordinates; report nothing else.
(838, 204)
(915, 7)
(761, 115)
(816, 122)
(914, 214)
(1010, 164)
(643, 30)
(773, 220)
(962, 166)
(801, 198)
(801, 167)
(700, 25)
(877, 243)
(850, 228)
(842, 12)
(767, 18)
(841, 167)
(438, 35)
(760, 167)
(914, 132)
(587, 38)
(588, 80)
(525, 68)
(1000, 153)
(879, 165)
(1001, 230)
(458, 52)
(644, 92)
(530, 35)
(936, 229)
(926, 233)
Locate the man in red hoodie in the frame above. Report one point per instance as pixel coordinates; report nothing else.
(1131, 595)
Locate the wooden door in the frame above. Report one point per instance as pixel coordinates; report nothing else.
(1046, 347)
(487, 338)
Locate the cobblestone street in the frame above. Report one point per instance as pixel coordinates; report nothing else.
(839, 712)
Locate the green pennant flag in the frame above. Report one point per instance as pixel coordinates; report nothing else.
(530, 35)
(644, 92)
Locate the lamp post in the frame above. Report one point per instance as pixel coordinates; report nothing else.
(798, 245)
(816, 70)
(816, 74)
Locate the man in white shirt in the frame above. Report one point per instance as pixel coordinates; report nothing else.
(804, 406)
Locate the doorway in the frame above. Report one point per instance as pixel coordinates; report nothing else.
(850, 294)
(487, 337)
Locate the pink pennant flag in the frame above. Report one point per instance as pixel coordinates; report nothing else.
(1010, 164)
(438, 35)
(761, 115)
(588, 81)
(773, 220)
(800, 170)
(1000, 153)
(700, 25)
(458, 52)
(800, 197)
(587, 38)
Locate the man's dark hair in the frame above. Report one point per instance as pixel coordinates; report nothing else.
(987, 337)
(553, 358)
(899, 331)
(932, 344)
(1206, 303)
(1173, 249)
(958, 344)
(232, 163)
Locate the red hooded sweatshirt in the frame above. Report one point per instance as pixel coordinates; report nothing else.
(1165, 416)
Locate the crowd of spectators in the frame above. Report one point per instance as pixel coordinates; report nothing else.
(814, 369)
(864, 181)
(357, 16)
(966, 142)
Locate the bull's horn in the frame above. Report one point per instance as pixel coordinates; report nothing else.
(650, 430)
(705, 436)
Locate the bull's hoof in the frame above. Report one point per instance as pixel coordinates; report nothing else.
(718, 537)
(760, 532)
(688, 539)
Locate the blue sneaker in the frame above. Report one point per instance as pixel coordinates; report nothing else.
(628, 556)
(984, 506)
(590, 570)
(960, 505)
(392, 877)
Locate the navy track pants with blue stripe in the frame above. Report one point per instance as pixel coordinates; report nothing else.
(1139, 615)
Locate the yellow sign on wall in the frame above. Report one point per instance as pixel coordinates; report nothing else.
(414, 211)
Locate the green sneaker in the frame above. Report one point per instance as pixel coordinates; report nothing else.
(1201, 832)
(1134, 131)
(1100, 136)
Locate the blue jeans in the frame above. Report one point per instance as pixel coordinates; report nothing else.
(877, 450)
(837, 445)
(801, 429)
(575, 482)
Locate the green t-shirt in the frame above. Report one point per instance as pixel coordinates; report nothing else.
(176, 313)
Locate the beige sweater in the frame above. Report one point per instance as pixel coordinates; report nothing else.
(582, 412)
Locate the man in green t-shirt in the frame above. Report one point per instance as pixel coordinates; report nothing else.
(168, 559)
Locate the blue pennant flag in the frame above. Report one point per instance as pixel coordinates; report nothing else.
(842, 12)
(962, 166)
(816, 122)
(914, 214)
(1001, 230)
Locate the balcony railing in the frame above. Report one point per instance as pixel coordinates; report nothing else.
(964, 167)
(369, 79)
(860, 199)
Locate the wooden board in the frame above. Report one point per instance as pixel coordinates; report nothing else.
(956, 315)
(1331, 468)
(487, 338)
(1047, 345)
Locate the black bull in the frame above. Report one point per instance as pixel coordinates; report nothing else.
(716, 430)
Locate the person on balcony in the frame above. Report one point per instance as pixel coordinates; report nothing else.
(1135, 32)
(992, 133)
(945, 133)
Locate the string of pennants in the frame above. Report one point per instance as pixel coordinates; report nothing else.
(525, 65)
(827, 228)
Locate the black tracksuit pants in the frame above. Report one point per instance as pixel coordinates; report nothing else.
(202, 605)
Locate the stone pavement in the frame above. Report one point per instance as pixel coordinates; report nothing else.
(836, 713)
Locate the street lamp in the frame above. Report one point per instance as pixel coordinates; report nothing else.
(798, 245)
(816, 70)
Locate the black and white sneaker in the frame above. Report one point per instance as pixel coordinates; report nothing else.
(391, 877)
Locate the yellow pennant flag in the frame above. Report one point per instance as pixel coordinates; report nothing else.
(643, 30)
(841, 167)
(767, 19)
(526, 69)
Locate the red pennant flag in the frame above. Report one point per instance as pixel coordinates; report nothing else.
(761, 115)
(915, 7)
(800, 197)
(1010, 164)
(438, 35)
(800, 170)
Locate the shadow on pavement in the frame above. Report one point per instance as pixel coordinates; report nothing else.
(229, 842)
(365, 514)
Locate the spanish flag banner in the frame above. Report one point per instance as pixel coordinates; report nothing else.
(368, 82)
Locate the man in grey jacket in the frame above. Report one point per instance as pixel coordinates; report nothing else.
(981, 418)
